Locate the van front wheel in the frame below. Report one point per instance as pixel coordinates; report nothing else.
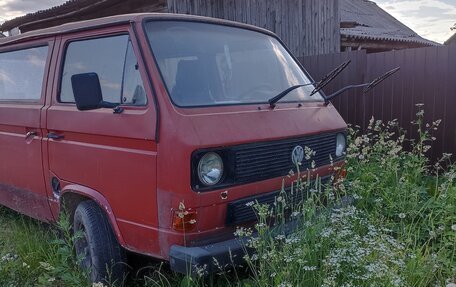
(96, 245)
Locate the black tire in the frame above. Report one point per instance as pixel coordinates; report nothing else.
(97, 246)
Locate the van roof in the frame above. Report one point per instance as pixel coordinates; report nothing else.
(119, 20)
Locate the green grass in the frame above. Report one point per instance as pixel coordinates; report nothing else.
(36, 254)
(401, 230)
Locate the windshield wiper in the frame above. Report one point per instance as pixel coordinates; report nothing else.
(367, 86)
(329, 77)
(274, 100)
(321, 84)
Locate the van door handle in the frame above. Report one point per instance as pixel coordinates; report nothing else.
(30, 134)
(54, 136)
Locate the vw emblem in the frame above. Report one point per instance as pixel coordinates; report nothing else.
(297, 155)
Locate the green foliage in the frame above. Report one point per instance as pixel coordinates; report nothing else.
(32, 254)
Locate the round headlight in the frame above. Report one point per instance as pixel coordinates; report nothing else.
(340, 145)
(210, 168)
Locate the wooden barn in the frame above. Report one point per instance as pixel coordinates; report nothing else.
(308, 27)
(451, 40)
(366, 26)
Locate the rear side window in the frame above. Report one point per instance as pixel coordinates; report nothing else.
(114, 61)
(21, 73)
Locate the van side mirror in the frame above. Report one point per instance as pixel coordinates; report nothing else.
(87, 93)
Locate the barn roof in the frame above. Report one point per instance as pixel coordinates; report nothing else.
(451, 40)
(74, 10)
(365, 20)
(55, 11)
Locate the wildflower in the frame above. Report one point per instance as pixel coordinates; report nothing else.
(401, 215)
(201, 271)
(309, 268)
(446, 156)
(291, 240)
(250, 203)
(453, 227)
(371, 121)
(9, 257)
(181, 206)
(288, 259)
(25, 265)
(260, 225)
(46, 266)
(326, 233)
(52, 279)
(308, 152)
(280, 237)
(193, 221)
(312, 164)
(99, 284)
(241, 232)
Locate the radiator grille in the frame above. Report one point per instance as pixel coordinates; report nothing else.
(254, 162)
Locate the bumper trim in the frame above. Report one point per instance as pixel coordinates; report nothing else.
(210, 258)
(207, 258)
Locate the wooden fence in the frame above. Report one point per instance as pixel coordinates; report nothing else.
(427, 76)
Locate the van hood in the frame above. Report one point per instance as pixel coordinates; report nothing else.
(236, 127)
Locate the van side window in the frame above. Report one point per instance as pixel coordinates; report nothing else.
(113, 60)
(133, 92)
(21, 73)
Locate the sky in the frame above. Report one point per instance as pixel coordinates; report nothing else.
(431, 19)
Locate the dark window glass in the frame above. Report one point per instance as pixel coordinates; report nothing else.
(21, 73)
(133, 89)
(205, 64)
(113, 60)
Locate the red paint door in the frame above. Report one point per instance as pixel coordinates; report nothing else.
(98, 153)
(22, 96)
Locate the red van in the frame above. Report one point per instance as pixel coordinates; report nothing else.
(152, 131)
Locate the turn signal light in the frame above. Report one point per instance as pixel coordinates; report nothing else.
(184, 220)
(339, 177)
(342, 173)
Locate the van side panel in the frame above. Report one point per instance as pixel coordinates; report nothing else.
(22, 185)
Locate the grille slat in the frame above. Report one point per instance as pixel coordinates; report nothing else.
(309, 142)
(261, 161)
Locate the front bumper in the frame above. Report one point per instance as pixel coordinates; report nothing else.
(220, 255)
(214, 257)
(207, 258)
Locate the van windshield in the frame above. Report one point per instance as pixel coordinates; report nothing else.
(208, 64)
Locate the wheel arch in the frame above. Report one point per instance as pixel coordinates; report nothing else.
(72, 195)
